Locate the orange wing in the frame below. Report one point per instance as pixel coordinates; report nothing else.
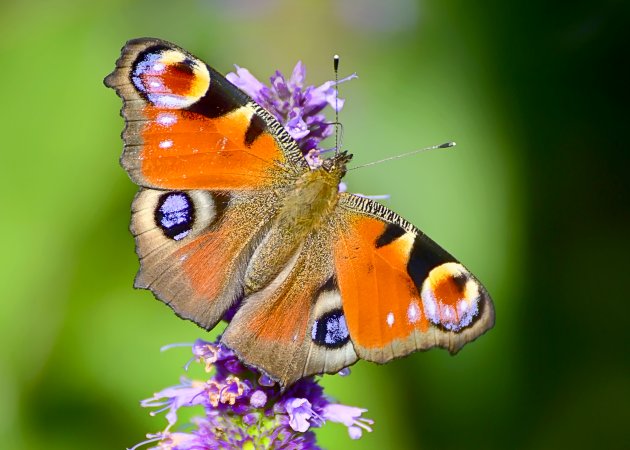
(402, 292)
(187, 127)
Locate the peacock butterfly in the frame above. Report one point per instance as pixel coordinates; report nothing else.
(229, 208)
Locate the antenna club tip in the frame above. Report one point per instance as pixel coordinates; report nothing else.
(448, 144)
(336, 56)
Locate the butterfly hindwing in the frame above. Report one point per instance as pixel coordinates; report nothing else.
(401, 291)
(187, 127)
(295, 327)
(194, 247)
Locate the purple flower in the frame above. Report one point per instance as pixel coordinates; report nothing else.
(350, 416)
(188, 393)
(258, 399)
(297, 107)
(247, 410)
(300, 412)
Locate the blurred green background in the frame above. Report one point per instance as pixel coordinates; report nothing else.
(534, 200)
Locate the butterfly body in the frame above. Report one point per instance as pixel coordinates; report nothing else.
(305, 206)
(230, 211)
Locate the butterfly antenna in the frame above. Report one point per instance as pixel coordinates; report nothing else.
(433, 147)
(336, 69)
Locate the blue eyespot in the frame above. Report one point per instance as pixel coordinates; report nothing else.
(331, 330)
(175, 215)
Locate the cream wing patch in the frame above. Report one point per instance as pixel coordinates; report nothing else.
(330, 348)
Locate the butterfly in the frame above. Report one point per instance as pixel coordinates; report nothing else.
(229, 210)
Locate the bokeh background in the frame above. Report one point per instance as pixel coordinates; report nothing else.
(534, 200)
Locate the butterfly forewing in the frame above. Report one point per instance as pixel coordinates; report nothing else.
(189, 128)
(402, 292)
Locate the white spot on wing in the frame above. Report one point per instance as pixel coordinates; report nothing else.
(390, 319)
(430, 305)
(413, 312)
(172, 101)
(448, 314)
(166, 119)
(166, 143)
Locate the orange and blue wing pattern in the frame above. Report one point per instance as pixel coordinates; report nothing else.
(187, 127)
(401, 291)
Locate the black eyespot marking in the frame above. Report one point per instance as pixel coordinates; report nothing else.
(460, 281)
(175, 214)
(391, 233)
(186, 66)
(425, 256)
(330, 330)
(221, 202)
(329, 286)
(221, 98)
(256, 127)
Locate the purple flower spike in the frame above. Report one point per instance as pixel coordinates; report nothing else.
(246, 411)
